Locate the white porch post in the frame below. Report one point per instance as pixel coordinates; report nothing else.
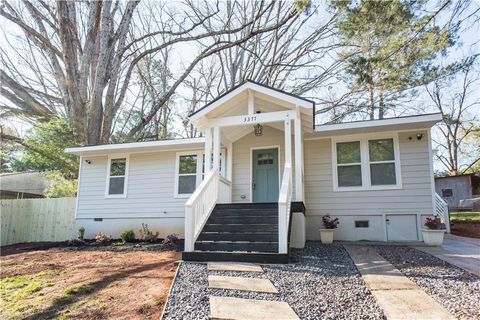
(230, 167)
(229, 161)
(208, 149)
(288, 140)
(298, 158)
(216, 148)
(282, 207)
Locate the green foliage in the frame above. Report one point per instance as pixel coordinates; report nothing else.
(302, 5)
(9, 150)
(59, 186)
(21, 295)
(391, 46)
(465, 216)
(81, 232)
(45, 144)
(127, 236)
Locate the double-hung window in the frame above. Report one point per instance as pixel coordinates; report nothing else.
(117, 177)
(366, 163)
(381, 156)
(190, 171)
(187, 173)
(349, 164)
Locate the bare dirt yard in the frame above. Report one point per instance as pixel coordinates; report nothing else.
(61, 283)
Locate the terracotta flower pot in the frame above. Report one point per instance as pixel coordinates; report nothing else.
(326, 235)
(433, 237)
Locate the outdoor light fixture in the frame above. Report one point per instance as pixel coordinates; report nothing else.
(419, 136)
(258, 129)
(88, 161)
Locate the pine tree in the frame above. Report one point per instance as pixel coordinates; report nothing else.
(390, 47)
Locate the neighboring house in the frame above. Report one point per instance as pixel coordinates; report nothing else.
(267, 158)
(454, 189)
(22, 185)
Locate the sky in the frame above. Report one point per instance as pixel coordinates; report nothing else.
(469, 42)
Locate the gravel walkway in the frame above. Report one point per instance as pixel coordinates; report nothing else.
(452, 287)
(323, 283)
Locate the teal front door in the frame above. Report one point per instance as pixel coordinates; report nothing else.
(265, 175)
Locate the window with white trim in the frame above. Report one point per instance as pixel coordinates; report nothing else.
(190, 171)
(381, 156)
(349, 164)
(117, 176)
(366, 163)
(187, 174)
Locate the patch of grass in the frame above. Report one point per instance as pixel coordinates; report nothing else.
(81, 289)
(465, 216)
(22, 294)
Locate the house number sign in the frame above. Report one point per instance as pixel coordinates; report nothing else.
(249, 119)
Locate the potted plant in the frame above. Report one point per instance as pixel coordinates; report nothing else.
(433, 234)
(329, 225)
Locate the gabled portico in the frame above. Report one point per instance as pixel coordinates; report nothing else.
(232, 118)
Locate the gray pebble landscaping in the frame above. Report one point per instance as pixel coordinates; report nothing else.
(321, 283)
(455, 289)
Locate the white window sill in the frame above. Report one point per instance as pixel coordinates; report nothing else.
(372, 188)
(115, 196)
(183, 195)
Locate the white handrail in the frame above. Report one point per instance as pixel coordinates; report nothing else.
(441, 210)
(284, 202)
(199, 206)
(212, 190)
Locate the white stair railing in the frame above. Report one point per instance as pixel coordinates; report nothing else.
(441, 210)
(284, 202)
(201, 203)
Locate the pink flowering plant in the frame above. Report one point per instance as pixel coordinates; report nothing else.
(329, 222)
(434, 223)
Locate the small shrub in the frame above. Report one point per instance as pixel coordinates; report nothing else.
(102, 238)
(146, 234)
(330, 223)
(81, 233)
(127, 236)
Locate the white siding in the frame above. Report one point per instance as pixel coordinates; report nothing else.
(150, 191)
(241, 182)
(414, 197)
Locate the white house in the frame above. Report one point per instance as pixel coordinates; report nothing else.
(269, 165)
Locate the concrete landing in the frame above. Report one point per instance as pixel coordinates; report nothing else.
(399, 297)
(241, 283)
(247, 309)
(231, 266)
(461, 252)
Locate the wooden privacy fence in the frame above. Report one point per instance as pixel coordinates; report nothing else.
(32, 220)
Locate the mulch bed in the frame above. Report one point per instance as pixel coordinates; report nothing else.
(465, 228)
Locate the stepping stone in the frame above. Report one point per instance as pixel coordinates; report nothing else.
(399, 297)
(247, 309)
(241, 283)
(226, 266)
